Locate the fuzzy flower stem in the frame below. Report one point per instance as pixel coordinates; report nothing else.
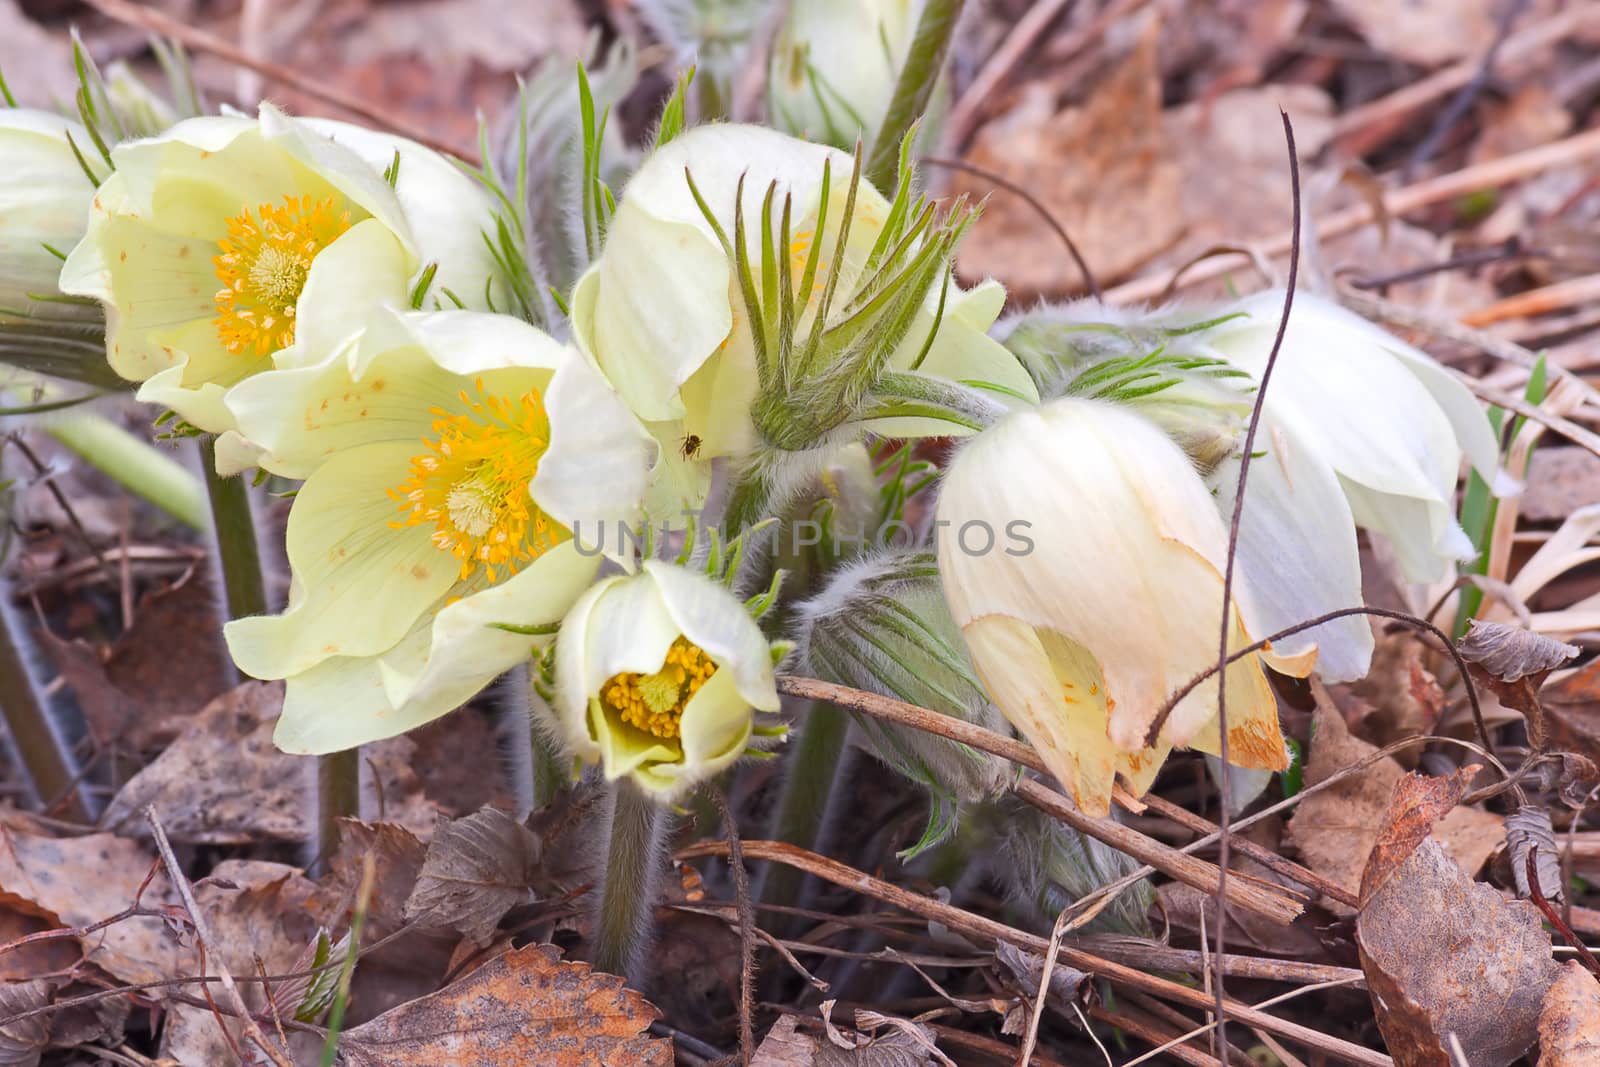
(135, 464)
(243, 587)
(627, 894)
(914, 87)
(816, 761)
(39, 748)
(550, 769)
(338, 796)
(245, 590)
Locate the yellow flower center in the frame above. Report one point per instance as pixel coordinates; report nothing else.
(263, 266)
(471, 484)
(654, 703)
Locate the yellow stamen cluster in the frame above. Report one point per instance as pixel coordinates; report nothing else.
(263, 266)
(654, 703)
(472, 483)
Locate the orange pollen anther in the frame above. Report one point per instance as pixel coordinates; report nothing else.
(471, 484)
(263, 265)
(655, 702)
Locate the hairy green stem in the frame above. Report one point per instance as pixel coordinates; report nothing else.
(244, 590)
(135, 464)
(628, 888)
(816, 761)
(41, 751)
(245, 593)
(338, 797)
(552, 770)
(914, 87)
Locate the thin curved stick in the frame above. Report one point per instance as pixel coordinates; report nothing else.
(1399, 616)
(1032, 201)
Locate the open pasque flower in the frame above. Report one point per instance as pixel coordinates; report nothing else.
(834, 65)
(1081, 639)
(228, 245)
(658, 676)
(1387, 419)
(753, 295)
(449, 458)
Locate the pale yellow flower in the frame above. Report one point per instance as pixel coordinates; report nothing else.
(449, 458)
(658, 677)
(1082, 638)
(226, 246)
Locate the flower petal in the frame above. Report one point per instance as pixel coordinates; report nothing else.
(362, 584)
(365, 268)
(1297, 547)
(467, 650)
(713, 618)
(716, 725)
(1030, 685)
(1126, 558)
(597, 465)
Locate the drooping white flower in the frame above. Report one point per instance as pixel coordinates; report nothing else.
(658, 676)
(1081, 639)
(44, 205)
(1384, 416)
(663, 315)
(226, 246)
(834, 66)
(448, 457)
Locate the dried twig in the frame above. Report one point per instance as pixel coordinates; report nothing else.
(1225, 632)
(1272, 903)
(747, 926)
(202, 936)
(1089, 282)
(1519, 46)
(1490, 174)
(989, 930)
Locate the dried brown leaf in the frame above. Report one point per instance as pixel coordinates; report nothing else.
(1334, 830)
(1572, 711)
(407, 967)
(525, 1007)
(477, 869)
(1514, 663)
(1448, 957)
(23, 1042)
(1399, 697)
(1427, 32)
(82, 880)
(1569, 1021)
(1105, 170)
(256, 915)
(132, 694)
(1068, 985)
(1417, 804)
(786, 1046)
(1561, 479)
(223, 781)
(1527, 829)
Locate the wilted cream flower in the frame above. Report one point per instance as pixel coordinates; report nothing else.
(44, 205)
(663, 315)
(228, 245)
(1081, 639)
(448, 457)
(658, 676)
(834, 66)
